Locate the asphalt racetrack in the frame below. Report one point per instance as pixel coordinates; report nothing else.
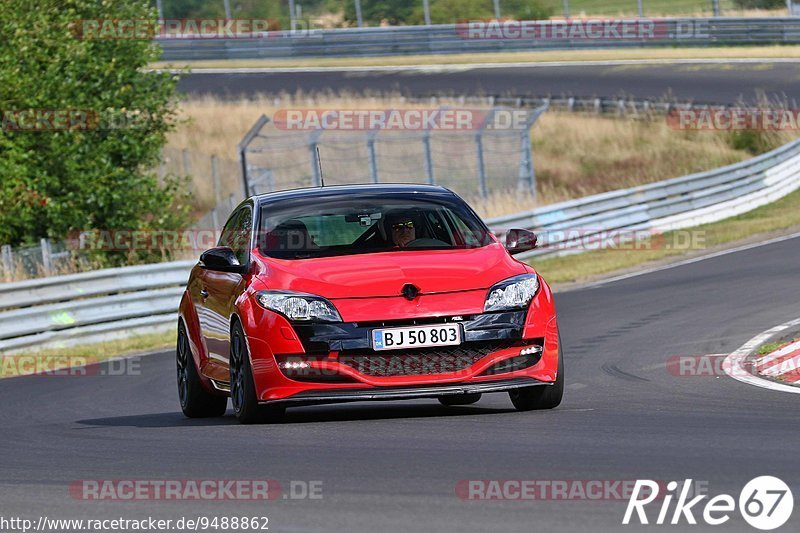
(702, 83)
(395, 466)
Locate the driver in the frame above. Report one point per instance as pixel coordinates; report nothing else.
(402, 229)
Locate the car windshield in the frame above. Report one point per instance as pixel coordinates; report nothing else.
(305, 228)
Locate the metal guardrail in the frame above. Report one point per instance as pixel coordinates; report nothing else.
(452, 38)
(673, 204)
(101, 304)
(94, 305)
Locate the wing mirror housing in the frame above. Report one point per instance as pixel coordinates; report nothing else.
(222, 259)
(520, 240)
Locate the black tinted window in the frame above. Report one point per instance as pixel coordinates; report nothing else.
(306, 228)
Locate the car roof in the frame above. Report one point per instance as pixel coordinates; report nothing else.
(340, 190)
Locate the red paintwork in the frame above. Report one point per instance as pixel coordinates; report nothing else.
(365, 287)
(384, 274)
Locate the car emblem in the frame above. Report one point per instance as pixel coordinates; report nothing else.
(410, 291)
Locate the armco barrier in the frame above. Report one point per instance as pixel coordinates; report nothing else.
(662, 206)
(96, 305)
(90, 306)
(453, 38)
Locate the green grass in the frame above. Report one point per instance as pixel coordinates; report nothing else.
(48, 360)
(630, 7)
(780, 215)
(769, 348)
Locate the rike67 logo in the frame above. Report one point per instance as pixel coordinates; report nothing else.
(765, 503)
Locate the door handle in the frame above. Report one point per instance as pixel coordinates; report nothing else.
(204, 293)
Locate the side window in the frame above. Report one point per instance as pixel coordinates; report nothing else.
(236, 234)
(466, 234)
(226, 238)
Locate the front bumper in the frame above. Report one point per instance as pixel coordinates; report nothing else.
(344, 349)
(315, 397)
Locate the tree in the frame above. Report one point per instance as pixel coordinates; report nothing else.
(760, 4)
(93, 169)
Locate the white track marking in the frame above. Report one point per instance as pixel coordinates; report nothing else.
(473, 66)
(733, 365)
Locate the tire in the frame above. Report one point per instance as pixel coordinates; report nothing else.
(196, 401)
(459, 399)
(243, 390)
(541, 396)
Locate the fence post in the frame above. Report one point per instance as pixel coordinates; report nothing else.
(566, 9)
(242, 147)
(359, 18)
(527, 172)
(313, 142)
(641, 8)
(483, 188)
(292, 16)
(187, 171)
(373, 160)
(426, 142)
(8, 261)
(47, 264)
(715, 7)
(217, 192)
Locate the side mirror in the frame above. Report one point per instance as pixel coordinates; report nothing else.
(520, 240)
(221, 259)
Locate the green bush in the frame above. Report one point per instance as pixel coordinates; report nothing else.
(397, 12)
(760, 4)
(754, 142)
(56, 180)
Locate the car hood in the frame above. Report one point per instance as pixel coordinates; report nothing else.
(385, 274)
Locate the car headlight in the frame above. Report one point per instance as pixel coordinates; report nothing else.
(299, 306)
(512, 293)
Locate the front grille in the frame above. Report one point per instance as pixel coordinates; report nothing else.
(421, 361)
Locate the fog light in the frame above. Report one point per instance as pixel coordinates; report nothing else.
(530, 350)
(294, 365)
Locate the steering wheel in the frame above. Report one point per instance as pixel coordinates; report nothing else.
(425, 243)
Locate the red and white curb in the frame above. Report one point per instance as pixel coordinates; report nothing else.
(734, 364)
(783, 364)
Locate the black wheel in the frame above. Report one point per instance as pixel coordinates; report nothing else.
(459, 399)
(243, 390)
(541, 396)
(196, 402)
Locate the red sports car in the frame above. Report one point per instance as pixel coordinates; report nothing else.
(367, 292)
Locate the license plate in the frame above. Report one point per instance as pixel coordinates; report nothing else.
(416, 337)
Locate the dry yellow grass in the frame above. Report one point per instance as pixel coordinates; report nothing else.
(574, 154)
